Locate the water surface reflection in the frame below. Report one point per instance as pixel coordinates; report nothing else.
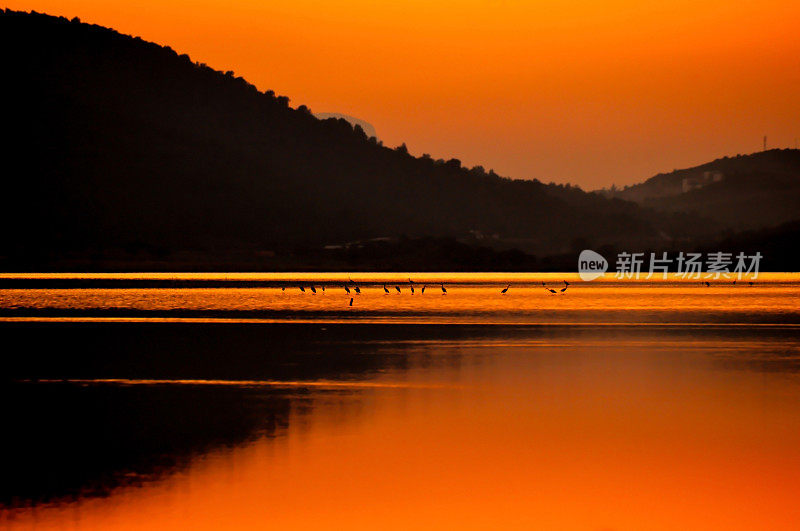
(364, 425)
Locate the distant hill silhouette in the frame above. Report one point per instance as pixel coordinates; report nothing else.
(120, 149)
(739, 193)
(778, 245)
(367, 127)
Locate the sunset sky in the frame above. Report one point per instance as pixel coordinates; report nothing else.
(586, 92)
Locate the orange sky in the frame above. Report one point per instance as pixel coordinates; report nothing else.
(584, 91)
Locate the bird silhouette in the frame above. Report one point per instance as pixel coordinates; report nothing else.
(302, 289)
(505, 290)
(385, 289)
(707, 283)
(313, 290)
(412, 288)
(351, 301)
(551, 290)
(422, 290)
(444, 290)
(323, 288)
(358, 290)
(347, 289)
(562, 290)
(750, 283)
(397, 288)
(283, 288)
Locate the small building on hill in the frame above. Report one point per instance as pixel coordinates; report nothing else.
(693, 183)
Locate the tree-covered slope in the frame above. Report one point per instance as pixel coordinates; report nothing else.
(114, 142)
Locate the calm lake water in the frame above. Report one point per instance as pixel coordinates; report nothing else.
(162, 401)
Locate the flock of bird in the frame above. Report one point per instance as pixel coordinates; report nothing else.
(352, 287)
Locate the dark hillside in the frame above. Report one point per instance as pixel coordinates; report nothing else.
(739, 193)
(114, 143)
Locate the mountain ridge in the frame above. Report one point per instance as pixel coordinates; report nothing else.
(121, 145)
(744, 192)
